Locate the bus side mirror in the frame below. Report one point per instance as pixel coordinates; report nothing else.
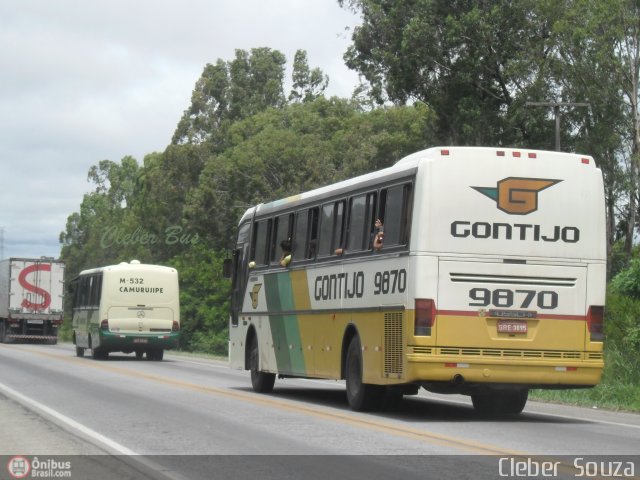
(227, 268)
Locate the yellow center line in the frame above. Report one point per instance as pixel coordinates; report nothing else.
(470, 447)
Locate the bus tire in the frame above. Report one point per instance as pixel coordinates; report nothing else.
(99, 354)
(361, 396)
(262, 382)
(2, 331)
(79, 352)
(501, 402)
(156, 355)
(139, 354)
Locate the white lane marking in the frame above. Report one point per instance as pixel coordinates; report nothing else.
(583, 419)
(119, 449)
(212, 364)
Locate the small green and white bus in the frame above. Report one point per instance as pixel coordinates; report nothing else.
(489, 280)
(130, 307)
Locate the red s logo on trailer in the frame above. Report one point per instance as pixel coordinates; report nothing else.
(46, 297)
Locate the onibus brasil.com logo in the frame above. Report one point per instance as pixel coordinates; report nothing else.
(21, 467)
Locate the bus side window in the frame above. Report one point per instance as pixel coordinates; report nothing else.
(331, 228)
(260, 243)
(282, 230)
(301, 235)
(339, 230)
(395, 203)
(312, 244)
(95, 290)
(74, 289)
(83, 292)
(361, 220)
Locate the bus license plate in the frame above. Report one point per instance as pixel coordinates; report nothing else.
(140, 340)
(512, 326)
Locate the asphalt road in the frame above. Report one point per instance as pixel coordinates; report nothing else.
(187, 417)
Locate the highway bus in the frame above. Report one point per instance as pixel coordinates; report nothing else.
(490, 280)
(130, 307)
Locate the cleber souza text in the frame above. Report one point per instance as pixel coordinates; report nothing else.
(582, 467)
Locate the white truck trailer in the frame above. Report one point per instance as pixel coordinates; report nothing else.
(31, 299)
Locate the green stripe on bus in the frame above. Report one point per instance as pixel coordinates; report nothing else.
(285, 331)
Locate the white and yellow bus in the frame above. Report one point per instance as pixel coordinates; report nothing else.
(490, 280)
(130, 307)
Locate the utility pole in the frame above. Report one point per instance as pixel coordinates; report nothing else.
(556, 112)
(1, 243)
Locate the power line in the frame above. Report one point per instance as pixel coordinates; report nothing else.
(556, 111)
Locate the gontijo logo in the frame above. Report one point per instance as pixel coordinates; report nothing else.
(515, 195)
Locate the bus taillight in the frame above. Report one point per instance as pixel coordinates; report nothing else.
(595, 323)
(425, 316)
(104, 325)
(175, 327)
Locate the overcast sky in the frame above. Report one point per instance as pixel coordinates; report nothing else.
(87, 80)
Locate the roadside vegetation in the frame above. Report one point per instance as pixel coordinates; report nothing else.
(432, 73)
(620, 385)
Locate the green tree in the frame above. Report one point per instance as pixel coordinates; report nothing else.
(230, 91)
(209, 106)
(282, 152)
(164, 183)
(610, 37)
(588, 67)
(307, 84)
(102, 232)
(204, 299)
(474, 63)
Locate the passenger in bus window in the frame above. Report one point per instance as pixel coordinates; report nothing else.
(285, 259)
(378, 235)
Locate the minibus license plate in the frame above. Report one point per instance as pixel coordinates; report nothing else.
(512, 326)
(139, 340)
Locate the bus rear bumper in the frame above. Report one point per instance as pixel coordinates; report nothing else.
(114, 341)
(541, 374)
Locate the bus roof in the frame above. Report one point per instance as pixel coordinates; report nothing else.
(124, 266)
(408, 166)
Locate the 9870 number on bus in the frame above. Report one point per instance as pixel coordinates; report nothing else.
(506, 298)
(391, 281)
